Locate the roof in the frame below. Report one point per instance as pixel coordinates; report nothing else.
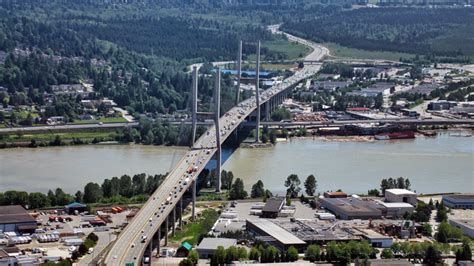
(399, 191)
(277, 232)
(351, 206)
(466, 222)
(371, 234)
(459, 197)
(187, 246)
(336, 193)
(273, 205)
(396, 204)
(76, 205)
(15, 214)
(212, 243)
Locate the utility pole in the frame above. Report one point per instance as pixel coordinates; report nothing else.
(239, 74)
(194, 90)
(217, 113)
(257, 94)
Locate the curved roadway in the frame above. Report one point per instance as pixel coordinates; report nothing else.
(131, 243)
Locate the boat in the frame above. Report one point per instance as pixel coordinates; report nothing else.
(395, 135)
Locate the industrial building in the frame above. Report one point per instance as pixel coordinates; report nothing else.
(352, 208)
(273, 234)
(401, 195)
(395, 209)
(208, 246)
(376, 239)
(459, 201)
(466, 225)
(273, 207)
(317, 231)
(15, 218)
(441, 105)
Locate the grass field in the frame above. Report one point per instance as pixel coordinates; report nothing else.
(192, 231)
(346, 52)
(103, 120)
(46, 137)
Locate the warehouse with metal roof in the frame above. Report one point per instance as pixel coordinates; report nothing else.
(16, 218)
(273, 234)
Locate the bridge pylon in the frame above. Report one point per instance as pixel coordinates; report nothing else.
(217, 111)
(257, 94)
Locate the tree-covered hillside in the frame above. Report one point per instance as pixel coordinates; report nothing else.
(447, 33)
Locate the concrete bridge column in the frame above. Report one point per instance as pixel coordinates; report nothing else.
(174, 221)
(194, 201)
(181, 213)
(159, 242)
(150, 247)
(267, 111)
(166, 230)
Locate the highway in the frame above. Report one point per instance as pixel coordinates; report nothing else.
(131, 243)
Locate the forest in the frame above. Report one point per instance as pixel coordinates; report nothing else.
(443, 33)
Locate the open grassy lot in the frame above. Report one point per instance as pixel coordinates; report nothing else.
(342, 51)
(103, 120)
(46, 137)
(192, 231)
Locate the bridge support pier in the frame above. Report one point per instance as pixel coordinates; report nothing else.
(174, 222)
(218, 132)
(181, 213)
(150, 247)
(194, 201)
(159, 242)
(166, 230)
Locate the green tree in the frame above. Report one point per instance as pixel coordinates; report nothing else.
(219, 256)
(38, 200)
(186, 262)
(432, 256)
(292, 254)
(258, 190)
(443, 232)
(254, 254)
(92, 193)
(193, 256)
(293, 186)
(386, 254)
(466, 251)
(61, 197)
(78, 196)
(310, 185)
(125, 186)
(232, 254)
(312, 253)
(237, 190)
(442, 213)
(243, 255)
(426, 229)
(373, 192)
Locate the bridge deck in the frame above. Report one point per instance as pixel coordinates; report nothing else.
(129, 246)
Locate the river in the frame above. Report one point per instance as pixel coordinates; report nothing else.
(441, 164)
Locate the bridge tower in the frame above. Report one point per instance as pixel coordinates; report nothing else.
(217, 113)
(257, 94)
(239, 74)
(194, 90)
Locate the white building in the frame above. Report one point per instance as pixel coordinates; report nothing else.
(401, 195)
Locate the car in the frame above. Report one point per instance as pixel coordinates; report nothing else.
(133, 245)
(90, 251)
(151, 219)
